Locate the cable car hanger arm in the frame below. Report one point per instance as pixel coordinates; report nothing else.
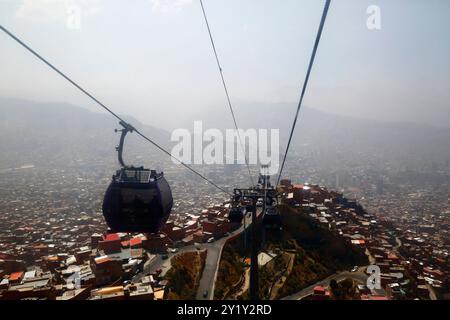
(126, 128)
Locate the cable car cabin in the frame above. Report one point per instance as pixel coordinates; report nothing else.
(235, 215)
(272, 218)
(137, 200)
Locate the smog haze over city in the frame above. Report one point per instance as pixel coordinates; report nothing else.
(358, 207)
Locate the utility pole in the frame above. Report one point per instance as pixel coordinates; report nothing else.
(254, 283)
(245, 232)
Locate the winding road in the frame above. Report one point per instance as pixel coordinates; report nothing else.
(209, 275)
(356, 276)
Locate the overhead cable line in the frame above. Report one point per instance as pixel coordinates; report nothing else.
(226, 91)
(106, 108)
(305, 84)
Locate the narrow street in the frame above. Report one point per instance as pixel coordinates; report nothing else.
(356, 276)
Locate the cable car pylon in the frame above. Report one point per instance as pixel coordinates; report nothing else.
(255, 194)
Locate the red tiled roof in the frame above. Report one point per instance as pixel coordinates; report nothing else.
(100, 260)
(392, 256)
(433, 271)
(112, 237)
(319, 290)
(15, 276)
(134, 242)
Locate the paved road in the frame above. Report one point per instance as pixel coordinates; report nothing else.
(357, 276)
(157, 262)
(208, 279)
(209, 276)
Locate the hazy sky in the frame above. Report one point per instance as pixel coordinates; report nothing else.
(152, 58)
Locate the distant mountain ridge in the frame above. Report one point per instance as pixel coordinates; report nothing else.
(46, 133)
(328, 131)
(61, 133)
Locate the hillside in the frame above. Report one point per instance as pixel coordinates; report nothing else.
(305, 253)
(184, 276)
(46, 134)
(318, 252)
(333, 138)
(60, 133)
(301, 230)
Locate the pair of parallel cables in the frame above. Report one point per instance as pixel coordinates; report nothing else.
(75, 84)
